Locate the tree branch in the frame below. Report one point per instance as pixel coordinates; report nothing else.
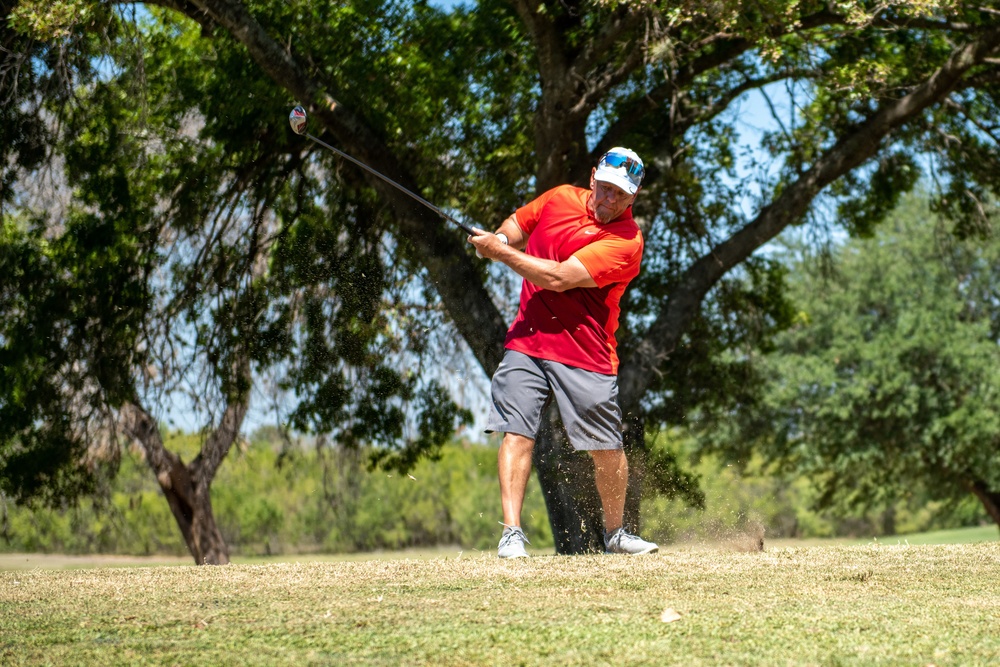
(217, 445)
(960, 108)
(642, 366)
(704, 114)
(922, 23)
(584, 67)
(725, 49)
(439, 248)
(138, 425)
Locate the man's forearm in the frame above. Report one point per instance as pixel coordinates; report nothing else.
(546, 273)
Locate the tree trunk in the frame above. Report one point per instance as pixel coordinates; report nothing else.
(567, 480)
(191, 505)
(634, 438)
(187, 488)
(989, 498)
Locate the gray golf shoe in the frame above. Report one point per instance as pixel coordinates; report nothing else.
(512, 543)
(623, 542)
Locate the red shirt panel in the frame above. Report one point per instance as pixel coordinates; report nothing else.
(576, 327)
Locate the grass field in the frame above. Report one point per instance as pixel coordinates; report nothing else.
(954, 536)
(874, 604)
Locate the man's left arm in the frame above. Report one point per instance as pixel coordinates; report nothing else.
(546, 273)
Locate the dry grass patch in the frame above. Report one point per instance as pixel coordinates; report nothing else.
(864, 605)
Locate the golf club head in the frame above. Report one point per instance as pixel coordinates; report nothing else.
(297, 119)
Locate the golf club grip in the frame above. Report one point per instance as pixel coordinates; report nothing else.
(393, 183)
(464, 226)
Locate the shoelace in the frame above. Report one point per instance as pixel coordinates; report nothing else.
(619, 535)
(514, 530)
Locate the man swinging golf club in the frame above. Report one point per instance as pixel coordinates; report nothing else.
(577, 250)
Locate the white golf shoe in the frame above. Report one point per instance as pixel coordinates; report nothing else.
(512, 543)
(623, 542)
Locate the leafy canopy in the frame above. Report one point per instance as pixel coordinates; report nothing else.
(889, 381)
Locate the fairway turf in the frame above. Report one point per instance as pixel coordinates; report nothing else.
(839, 605)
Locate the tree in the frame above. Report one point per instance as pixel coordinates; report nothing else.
(167, 276)
(82, 326)
(479, 108)
(889, 382)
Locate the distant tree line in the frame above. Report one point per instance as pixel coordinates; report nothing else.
(315, 498)
(280, 498)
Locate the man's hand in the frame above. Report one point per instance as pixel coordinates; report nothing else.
(488, 245)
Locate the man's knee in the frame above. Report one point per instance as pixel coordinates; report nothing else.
(516, 449)
(607, 454)
(517, 442)
(609, 459)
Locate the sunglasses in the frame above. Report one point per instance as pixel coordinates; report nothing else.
(633, 169)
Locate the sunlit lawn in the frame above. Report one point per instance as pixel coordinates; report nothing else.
(871, 604)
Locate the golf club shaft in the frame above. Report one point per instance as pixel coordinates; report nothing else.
(393, 183)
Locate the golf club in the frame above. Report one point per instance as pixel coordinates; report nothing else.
(297, 119)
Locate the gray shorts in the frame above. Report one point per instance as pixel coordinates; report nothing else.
(523, 386)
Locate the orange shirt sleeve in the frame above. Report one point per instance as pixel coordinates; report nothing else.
(527, 216)
(612, 259)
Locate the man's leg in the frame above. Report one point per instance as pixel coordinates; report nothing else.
(520, 393)
(611, 473)
(514, 462)
(588, 404)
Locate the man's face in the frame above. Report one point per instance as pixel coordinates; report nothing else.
(607, 201)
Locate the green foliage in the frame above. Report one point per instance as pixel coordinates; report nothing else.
(879, 195)
(74, 305)
(22, 134)
(180, 187)
(751, 498)
(889, 385)
(136, 521)
(711, 369)
(271, 500)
